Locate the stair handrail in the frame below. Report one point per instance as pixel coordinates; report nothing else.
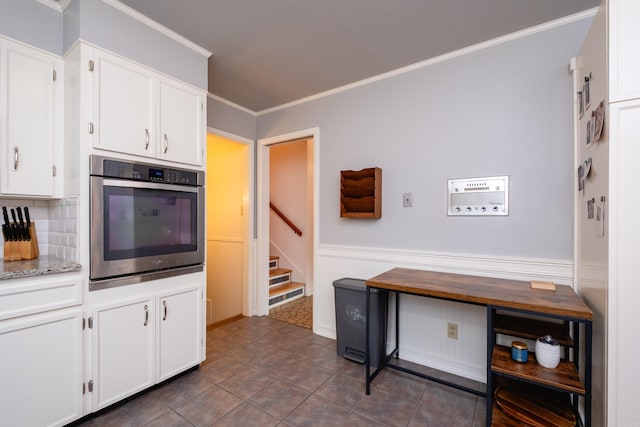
(285, 219)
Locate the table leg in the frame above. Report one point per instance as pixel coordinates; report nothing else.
(367, 343)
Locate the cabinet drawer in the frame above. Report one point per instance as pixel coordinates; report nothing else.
(20, 297)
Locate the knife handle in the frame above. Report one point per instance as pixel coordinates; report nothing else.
(5, 215)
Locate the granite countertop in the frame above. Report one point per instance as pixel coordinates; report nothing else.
(36, 267)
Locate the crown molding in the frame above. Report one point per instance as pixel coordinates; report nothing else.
(156, 26)
(59, 5)
(441, 58)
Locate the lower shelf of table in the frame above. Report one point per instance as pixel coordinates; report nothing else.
(516, 403)
(565, 377)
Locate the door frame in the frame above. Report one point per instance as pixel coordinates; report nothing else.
(248, 246)
(263, 212)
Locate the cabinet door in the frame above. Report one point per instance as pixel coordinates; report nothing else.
(123, 102)
(624, 269)
(123, 350)
(26, 116)
(179, 319)
(624, 61)
(181, 123)
(41, 369)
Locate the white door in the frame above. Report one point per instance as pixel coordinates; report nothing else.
(26, 115)
(179, 320)
(41, 369)
(124, 350)
(123, 106)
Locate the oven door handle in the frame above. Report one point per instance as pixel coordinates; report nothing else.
(147, 185)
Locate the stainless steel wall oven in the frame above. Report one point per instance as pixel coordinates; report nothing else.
(147, 222)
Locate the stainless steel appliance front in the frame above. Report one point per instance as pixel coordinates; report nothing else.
(147, 222)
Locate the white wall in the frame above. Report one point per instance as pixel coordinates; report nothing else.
(501, 110)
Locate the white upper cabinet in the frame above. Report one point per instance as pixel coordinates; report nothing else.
(624, 61)
(143, 113)
(30, 119)
(181, 123)
(123, 104)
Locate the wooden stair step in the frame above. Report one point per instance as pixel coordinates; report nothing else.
(287, 287)
(280, 272)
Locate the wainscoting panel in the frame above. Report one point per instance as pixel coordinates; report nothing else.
(423, 321)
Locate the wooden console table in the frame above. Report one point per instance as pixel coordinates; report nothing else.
(557, 312)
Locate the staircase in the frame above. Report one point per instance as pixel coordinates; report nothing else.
(281, 288)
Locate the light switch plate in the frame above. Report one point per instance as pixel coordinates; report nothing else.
(407, 200)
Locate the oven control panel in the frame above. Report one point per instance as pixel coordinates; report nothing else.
(150, 173)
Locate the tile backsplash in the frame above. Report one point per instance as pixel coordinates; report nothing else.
(56, 223)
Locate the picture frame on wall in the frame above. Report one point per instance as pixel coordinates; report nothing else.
(589, 132)
(580, 105)
(586, 93)
(598, 122)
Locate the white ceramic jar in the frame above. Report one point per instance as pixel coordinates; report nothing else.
(548, 352)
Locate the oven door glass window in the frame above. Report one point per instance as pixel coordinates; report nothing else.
(147, 222)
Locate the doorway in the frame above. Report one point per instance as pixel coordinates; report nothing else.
(305, 265)
(227, 193)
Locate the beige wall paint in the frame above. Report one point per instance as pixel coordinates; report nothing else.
(226, 194)
(288, 191)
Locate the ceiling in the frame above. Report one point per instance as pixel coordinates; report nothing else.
(270, 52)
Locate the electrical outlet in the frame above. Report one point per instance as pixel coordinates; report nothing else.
(452, 331)
(407, 200)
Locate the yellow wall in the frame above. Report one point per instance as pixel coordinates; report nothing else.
(226, 194)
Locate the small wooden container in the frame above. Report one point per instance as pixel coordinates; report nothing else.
(22, 250)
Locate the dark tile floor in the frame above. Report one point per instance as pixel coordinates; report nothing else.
(263, 372)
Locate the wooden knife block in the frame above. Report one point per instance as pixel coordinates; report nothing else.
(22, 250)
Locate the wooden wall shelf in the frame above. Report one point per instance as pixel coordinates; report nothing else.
(361, 193)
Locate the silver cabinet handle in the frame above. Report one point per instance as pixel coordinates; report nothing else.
(146, 139)
(166, 143)
(164, 305)
(146, 315)
(16, 158)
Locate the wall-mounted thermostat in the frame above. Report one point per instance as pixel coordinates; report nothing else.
(478, 196)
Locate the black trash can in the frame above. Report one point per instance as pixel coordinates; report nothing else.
(350, 300)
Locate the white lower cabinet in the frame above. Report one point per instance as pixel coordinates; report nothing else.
(123, 354)
(41, 369)
(141, 341)
(180, 317)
